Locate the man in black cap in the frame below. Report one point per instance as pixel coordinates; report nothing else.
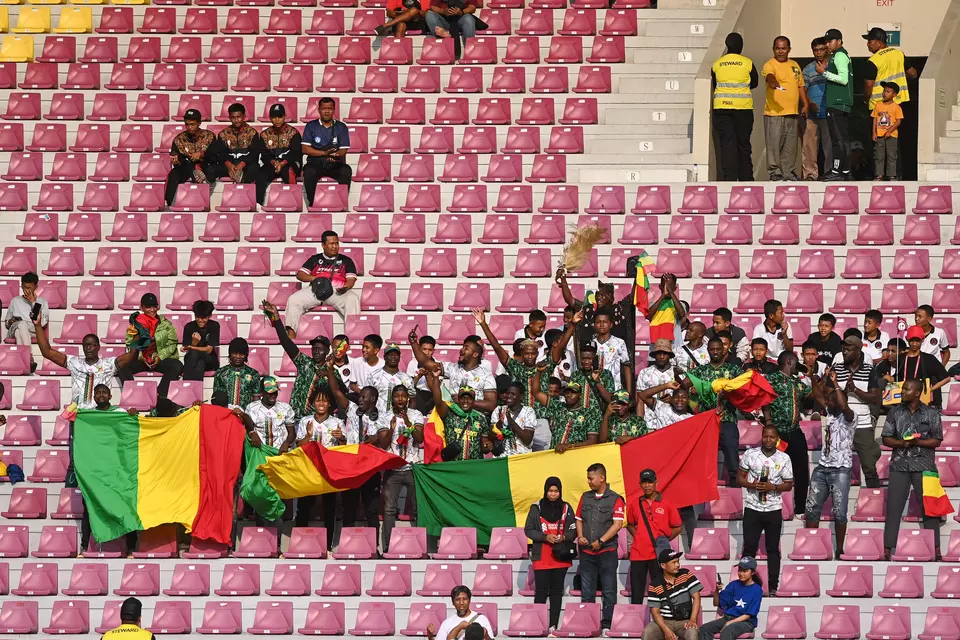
(240, 148)
(281, 152)
(674, 601)
(130, 618)
(839, 98)
(193, 155)
(734, 76)
(653, 522)
(156, 339)
(885, 65)
(325, 143)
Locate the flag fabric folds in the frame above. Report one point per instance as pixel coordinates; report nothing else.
(663, 321)
(255, 489)
(313, 470)
(935, 500)
(137, 473)
(434, 439)
(498, 492)
(641, 296)
(748, 392)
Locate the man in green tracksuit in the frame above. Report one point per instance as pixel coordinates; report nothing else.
(839, 99)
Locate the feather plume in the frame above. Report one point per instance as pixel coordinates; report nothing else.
(582, 240)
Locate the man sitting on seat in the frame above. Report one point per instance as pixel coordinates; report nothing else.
(193, 155)
(325, 143)
(240, 148)
(403, 15)
(280, 151)
(155, 338)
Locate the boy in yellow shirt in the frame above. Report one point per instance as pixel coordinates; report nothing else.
(781, 112)
(887, 116)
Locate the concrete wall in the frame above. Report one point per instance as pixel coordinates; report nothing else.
(939, 86)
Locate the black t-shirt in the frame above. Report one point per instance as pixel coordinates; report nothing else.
(765, 367)
(336, 269)
(826, 349)
(209, 334)
(925, 367)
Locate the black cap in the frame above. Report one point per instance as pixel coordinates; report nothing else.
(149, 300)
(277, 111)
(667, 555)
(891, 85)
(192, 114)
(833, 34)
(648, 475)
(875, 33)
(130, 610)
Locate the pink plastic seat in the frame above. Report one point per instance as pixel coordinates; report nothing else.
(116, 20)
(171, 617)
(921, 230)
(356, 543)
(36, 579)
(863, 544)
(948, 580)
(439, 579)
(307, 543)
(88, 579)
(580, 620)
(375, 619)
(452, 229)
(11, 137)
(902, 582)
(48, 137)
(272, 618)
(391, 580)
(799, 581)
(41, 395)
(745, 199)
(469, 296)
(786, 622)
(50, 465)
(729, 506)
(840, 199)
(290, 580)
(439, 262)
(13, 197)
(24, 166)
(340, 580)
(240, 580)
(506, 543)
(890, 623)
(898, 298)
(221, 618)
(324, 618)
(19, 616)
(676, 261)
(257, 542)
(548, 168)
(914, 545)
(915, 263)
(407, 543)
(704, 299)
(852, 298)
(686, 230)
(14, 540)
(887, 199)
(862, 263)
(839, 622)
(934, 199)
(940, 622)
(710, 544)
(456, 543)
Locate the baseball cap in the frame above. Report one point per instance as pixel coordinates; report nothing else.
(621, 397)
(891, 85)
(833, 34)
(192, 114)
(662, 345)
(916, 333)
(667, 555)
(391, 347)
(875, 33)
(470, 391)
(149, 300)
(269, 384)
(130, 610)
(277, 111)
(853, 341)
(746, 562)
(573, 386)
(648, 475)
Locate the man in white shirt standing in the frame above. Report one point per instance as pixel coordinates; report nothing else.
(401, 433)
(661, 371)
(454, 626)
(389, 376)
(612, 352)
(693, 352)
(468, 371)
(267, 420)
(765, 474)
(19, 323)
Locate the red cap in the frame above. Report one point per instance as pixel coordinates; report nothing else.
(916, 332)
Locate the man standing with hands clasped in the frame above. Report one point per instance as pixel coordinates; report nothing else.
(653, 522)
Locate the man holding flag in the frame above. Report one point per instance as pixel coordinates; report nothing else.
(913, 430)
(784, 415)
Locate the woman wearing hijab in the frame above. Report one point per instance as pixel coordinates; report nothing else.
(551, 521)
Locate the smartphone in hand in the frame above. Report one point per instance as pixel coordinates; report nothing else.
(35, 312)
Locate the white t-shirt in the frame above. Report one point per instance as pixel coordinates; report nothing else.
(385, 382)
(612, 356)
(479, 379)
(778, 468)
(412, 452)
(774, 340)
(412, 367)
(320, 431)
(683, 359)
(837, 449)
(526, 419)
(935, 342)
(271, 423)
(360, 427)
(838, 359)
(663, 415)
(84, 377)
(807, 380)
(362, 371)
(874, 348)
(541, 344)
(650, 377)
(447, 625)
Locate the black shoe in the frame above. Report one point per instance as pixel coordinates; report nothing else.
(775, 177)
(33, 366)
(380, 30)
(833, 176)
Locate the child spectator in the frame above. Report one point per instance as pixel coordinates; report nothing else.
(874, 340)
(812, 363)
(827, 342)
(774, 329)
(612, 352)
(367, 363)
(723, 321)
(935, 343)
(533, 330)
(887, 116)
(760, 361)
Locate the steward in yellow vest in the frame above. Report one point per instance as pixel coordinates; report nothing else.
(734, 76)
(885, 65)
(130, 618)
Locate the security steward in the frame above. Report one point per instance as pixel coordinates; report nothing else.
(733, 77)
(130, 618)
(887, 64)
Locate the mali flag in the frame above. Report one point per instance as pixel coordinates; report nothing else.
(434, 438)
(663, 321)
(641, 296)
(138, 473)
(498, 492)
(748, 392)
(935, 501)
(313, 469)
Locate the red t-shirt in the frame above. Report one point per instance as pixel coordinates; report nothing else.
(618, 514)
(547, 561)
(397, 5)
(662, 516)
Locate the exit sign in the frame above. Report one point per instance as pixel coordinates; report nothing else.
(892, 29)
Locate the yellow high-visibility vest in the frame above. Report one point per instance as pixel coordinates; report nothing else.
(733, 82)
(127, 631)
(890, 68)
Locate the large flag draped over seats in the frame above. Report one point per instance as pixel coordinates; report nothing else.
(498, 492)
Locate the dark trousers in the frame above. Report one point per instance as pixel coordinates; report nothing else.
(548, 583)
(267, 174)
(771, 523)
(313, 171)
(181, 174)
(369, 492)
(247, 175)
(688, 515)
(729, 445)
(170, 369)
(898, 489)
(600, 568)
(393, 481)
(867, 449)
(639, 570)
(839, 125)
(800, 460)
(729, 632)
(86, 533)
(733, 128)
(195, 364)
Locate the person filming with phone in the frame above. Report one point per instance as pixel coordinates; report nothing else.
(23, 310)
(739, 602)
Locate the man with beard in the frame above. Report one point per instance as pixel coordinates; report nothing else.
(462, 423)
(267, 420)
(193, 155)
(401, 435)
(468, 371)
(729, 353)
(240, 146)
(855, 376)
(716, 369)
(624, 311)
(571, 425)
(784, 415)
(280, 151)
(389, 376)
(237, 379)
(693, 353)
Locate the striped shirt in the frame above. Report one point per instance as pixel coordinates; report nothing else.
(674, 599)
(864, 380)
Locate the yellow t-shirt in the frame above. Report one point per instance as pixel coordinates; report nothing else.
(886, 115)
(786, 100)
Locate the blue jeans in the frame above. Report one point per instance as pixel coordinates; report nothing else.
(602, 567)
(730, 632)
(828, 481)
(464, 25)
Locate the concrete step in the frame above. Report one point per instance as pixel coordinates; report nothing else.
(650, 88)
(695, 26)
(950, 144)
(672, 114)
(606, 142)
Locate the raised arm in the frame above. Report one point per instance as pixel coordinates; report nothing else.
(561, 280)
(560, 344)
(539, 395)
(649, 396)
(288, 346)
(335, 389)
(48, 352)
(481, 319)
(433, 381)
(422, 359)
